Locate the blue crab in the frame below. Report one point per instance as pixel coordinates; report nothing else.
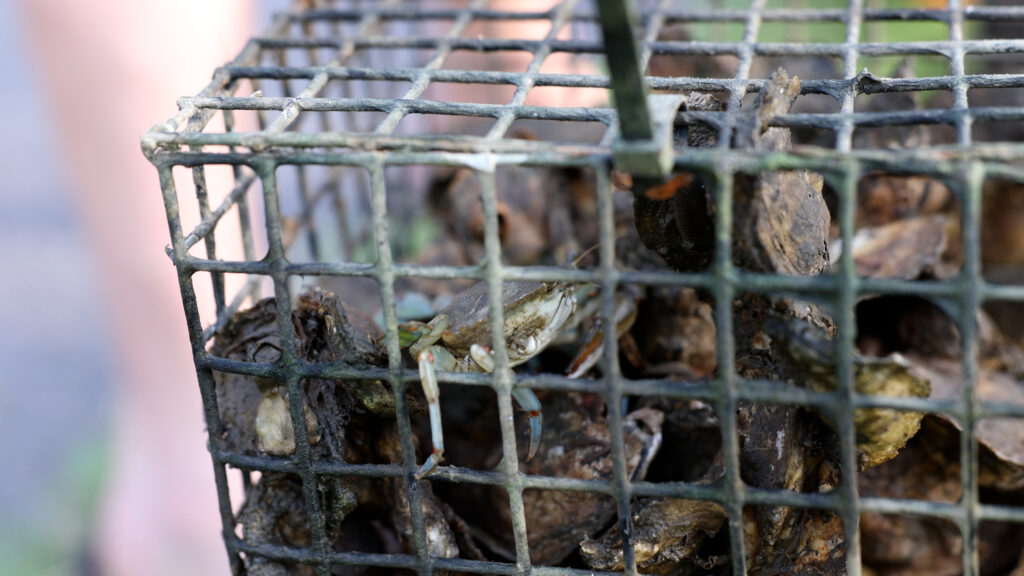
(458, 340)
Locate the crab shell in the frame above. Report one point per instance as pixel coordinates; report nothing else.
(534, 313)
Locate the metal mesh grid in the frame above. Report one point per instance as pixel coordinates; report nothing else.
(189, 140)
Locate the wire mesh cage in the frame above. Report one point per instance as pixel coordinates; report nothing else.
(806, 227)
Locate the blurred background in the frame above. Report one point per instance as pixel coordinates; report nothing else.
(55, 366)
(57, 348)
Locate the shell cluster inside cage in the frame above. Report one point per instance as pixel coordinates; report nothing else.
(440, 326)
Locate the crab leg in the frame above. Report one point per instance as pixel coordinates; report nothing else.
(427, 360)
(421, 336)
(527, 400)
(592, 349)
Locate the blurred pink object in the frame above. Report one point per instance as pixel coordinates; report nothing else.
(111, 69)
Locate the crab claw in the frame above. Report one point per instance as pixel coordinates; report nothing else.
(527, 400)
